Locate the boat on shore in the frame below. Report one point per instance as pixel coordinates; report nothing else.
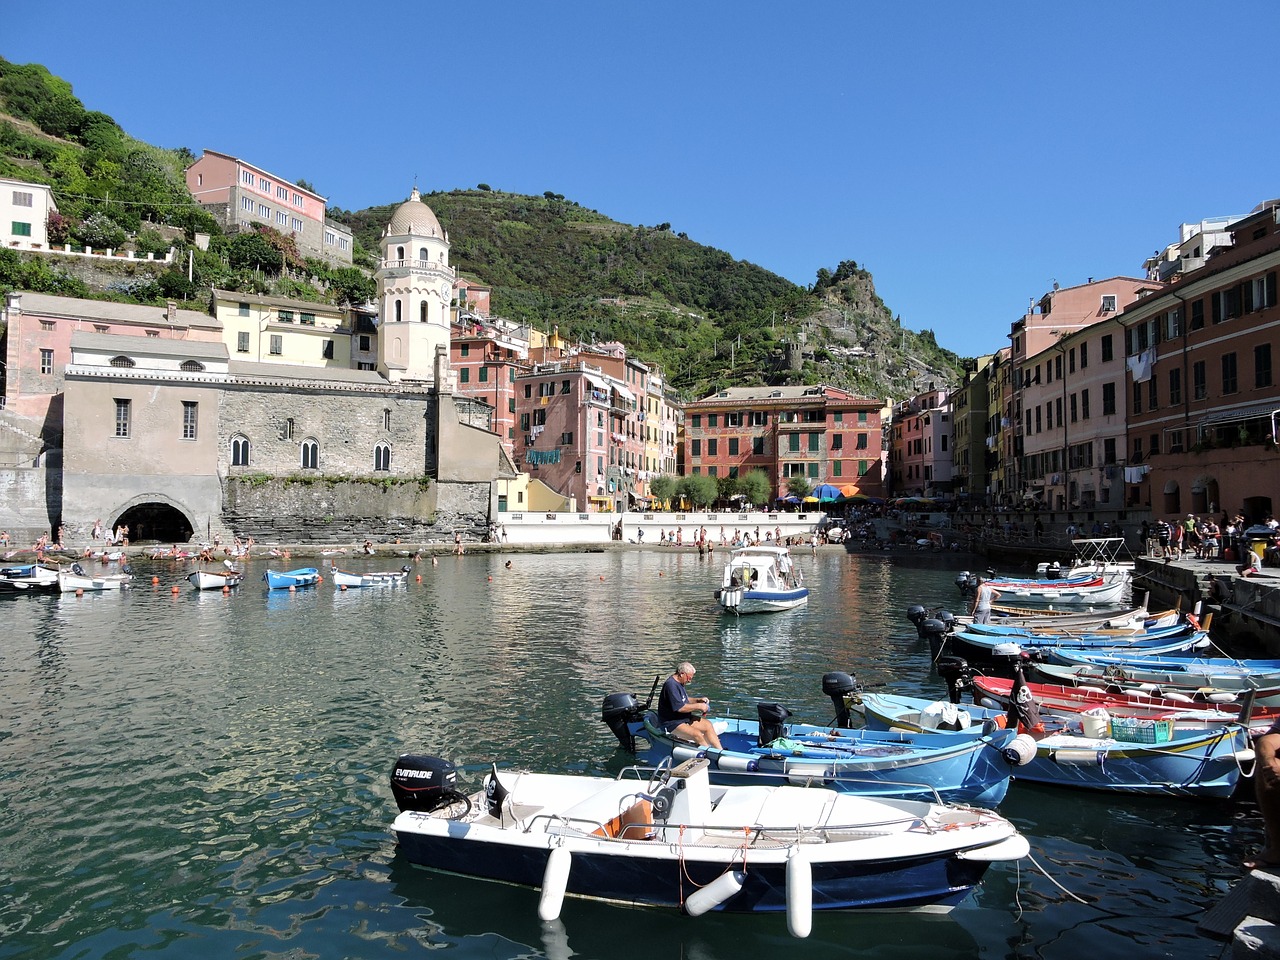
(283, 580)
(671, 838)
(385, 578)
(761, 579)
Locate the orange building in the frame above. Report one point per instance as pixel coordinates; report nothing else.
(821, 433)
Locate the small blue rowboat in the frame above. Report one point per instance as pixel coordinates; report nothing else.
(974, 769)
(1169, 761)
(302, 577)
(965, 643)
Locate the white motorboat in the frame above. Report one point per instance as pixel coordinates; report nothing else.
(761, 579)
(76, 580)
(674, 839)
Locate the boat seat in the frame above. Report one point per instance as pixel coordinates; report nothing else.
(619, 813)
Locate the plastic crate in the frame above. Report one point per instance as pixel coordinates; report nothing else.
(1132, 730)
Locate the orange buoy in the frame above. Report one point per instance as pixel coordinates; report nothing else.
(342, 587)
(292, 588)
(154, 581)
(225, 588)
(79, 591)
(418, 578)
(174, 588)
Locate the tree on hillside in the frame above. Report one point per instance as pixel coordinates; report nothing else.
(252, 251)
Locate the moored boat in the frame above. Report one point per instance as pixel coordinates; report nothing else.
(1121, 755)
(30, 576)
(384, 578)
(869, 763)
(76, 580)
(761, 579)
(215, 579)
(283, 580)
(674, 839)
(1182, 710)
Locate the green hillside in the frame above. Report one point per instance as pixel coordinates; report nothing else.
(707, 319)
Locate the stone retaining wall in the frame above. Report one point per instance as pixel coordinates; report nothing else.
(347, 511)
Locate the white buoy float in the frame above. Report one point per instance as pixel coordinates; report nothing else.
(555, 880)
(714, 893)
(799, 893)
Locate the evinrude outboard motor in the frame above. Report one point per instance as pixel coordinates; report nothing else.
(423, 783)
(619, 711)
(839, 687)
(955, 671)
(773, 718)
(935, 631)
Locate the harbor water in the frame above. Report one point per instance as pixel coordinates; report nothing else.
(205, 774)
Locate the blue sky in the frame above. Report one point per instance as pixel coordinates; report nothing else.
(968, 155)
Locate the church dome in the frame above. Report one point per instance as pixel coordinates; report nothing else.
(414, 218)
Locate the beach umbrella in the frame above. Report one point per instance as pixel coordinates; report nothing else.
(825, 491)
(790, 498)
(849, 490)
(810, 499)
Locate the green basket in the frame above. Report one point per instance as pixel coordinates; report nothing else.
(1141, 731)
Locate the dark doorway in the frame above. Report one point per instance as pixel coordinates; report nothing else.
(155, 521)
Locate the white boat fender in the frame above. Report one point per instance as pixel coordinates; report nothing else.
(1020, 751)
(1180, 697)
(716, 892)
(799, 893)
(1078, 758)
(726, 761)
(991, 704)
(555, 880)
(1244, 756)
(680, 754)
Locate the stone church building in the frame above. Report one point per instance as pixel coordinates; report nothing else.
(154, 419)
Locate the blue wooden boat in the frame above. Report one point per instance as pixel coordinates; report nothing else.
(869, 763)
(965, 643)
(761, 579)
(1179, 762)
(302, 577)
(1174, 671)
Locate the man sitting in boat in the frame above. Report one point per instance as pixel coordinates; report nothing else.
(684, 717)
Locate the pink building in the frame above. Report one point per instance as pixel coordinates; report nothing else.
(238, 195)
(38, 335)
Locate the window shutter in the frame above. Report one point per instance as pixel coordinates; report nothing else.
(1271, 289)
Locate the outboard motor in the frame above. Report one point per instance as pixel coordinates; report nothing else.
(773, 718)
(839, 687)
(1006, 655)
(1053, 571)
(935, 631)
(962, 580)
(619, 711)
(916, 614)
(423, 783)
(948, 620)
(955, 671)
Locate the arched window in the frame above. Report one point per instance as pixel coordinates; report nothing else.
(386, 418)
(239, 451)
(398, 309)
(399, 253)
(422, 312)
(193, 366)
(122, 362)
(310, 454)
(382, 457)
(422, 253)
